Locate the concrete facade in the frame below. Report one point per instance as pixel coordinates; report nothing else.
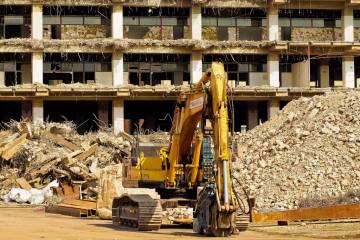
(117, 22)
(196, 67)
(273, 23)
(37, 67)
(37, 21)
(38, 110)
(273, 108)
(253, 114)
(324, 75)
(348, 24)
(118, 115)
(273, 70)
(118, 69)
(196, 23)
(348, 71)
(271, 27)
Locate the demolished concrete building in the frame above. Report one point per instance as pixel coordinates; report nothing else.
(122, 63)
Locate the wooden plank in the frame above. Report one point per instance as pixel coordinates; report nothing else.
(84, 204)
(88, 152)
(66, 210)
(67, 191)
(127, 136)
(45, 168)
(347, 211)
(7, 140)
(4, 134)
(60, 140)
(11, 148)
(69, 159)
(23, 183)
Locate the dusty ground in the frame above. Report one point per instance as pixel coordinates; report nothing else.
(33, 223)
(319, 230)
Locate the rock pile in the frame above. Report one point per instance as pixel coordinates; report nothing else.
(305, 156)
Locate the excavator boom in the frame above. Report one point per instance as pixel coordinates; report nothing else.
(197, 157)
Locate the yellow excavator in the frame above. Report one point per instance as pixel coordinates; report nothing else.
(194, 170)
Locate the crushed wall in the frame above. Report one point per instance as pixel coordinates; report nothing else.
(316, 34)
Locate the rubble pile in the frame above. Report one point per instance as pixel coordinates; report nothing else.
(177, 214)
(309, 152)
(33, 155)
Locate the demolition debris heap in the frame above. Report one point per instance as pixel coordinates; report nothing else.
(306, 156)
(32, 155)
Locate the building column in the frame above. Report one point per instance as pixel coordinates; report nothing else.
(37, 22)
(253, 114)
(195, 67)
(348, 72)
(273, 108)
(117, 23)
(273, 23)
(273, 70)
(324, 75)
(118, 115)
(37, 67)
(2, 78)
(26, 109)
(118, 68)
(38, 110)
(196, 29)
(103, 113)
(348, 24)
(37, 33)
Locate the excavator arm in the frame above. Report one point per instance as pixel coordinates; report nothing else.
(217, 198)
(197, 158)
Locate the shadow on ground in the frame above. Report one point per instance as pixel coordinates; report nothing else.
(173, 233)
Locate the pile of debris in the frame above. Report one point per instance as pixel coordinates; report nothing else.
(33, 155)
(304, 156)
(175, 215)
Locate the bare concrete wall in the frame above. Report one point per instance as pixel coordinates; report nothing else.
(104, 78)
(300, 74)
(2, 78)
(26, 73)
(258, 79)
(286, 79)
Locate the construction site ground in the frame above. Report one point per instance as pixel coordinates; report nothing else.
(34, 223)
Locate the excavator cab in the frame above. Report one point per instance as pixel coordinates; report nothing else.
(147, 167)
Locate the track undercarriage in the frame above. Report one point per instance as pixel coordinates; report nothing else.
(139, 211)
